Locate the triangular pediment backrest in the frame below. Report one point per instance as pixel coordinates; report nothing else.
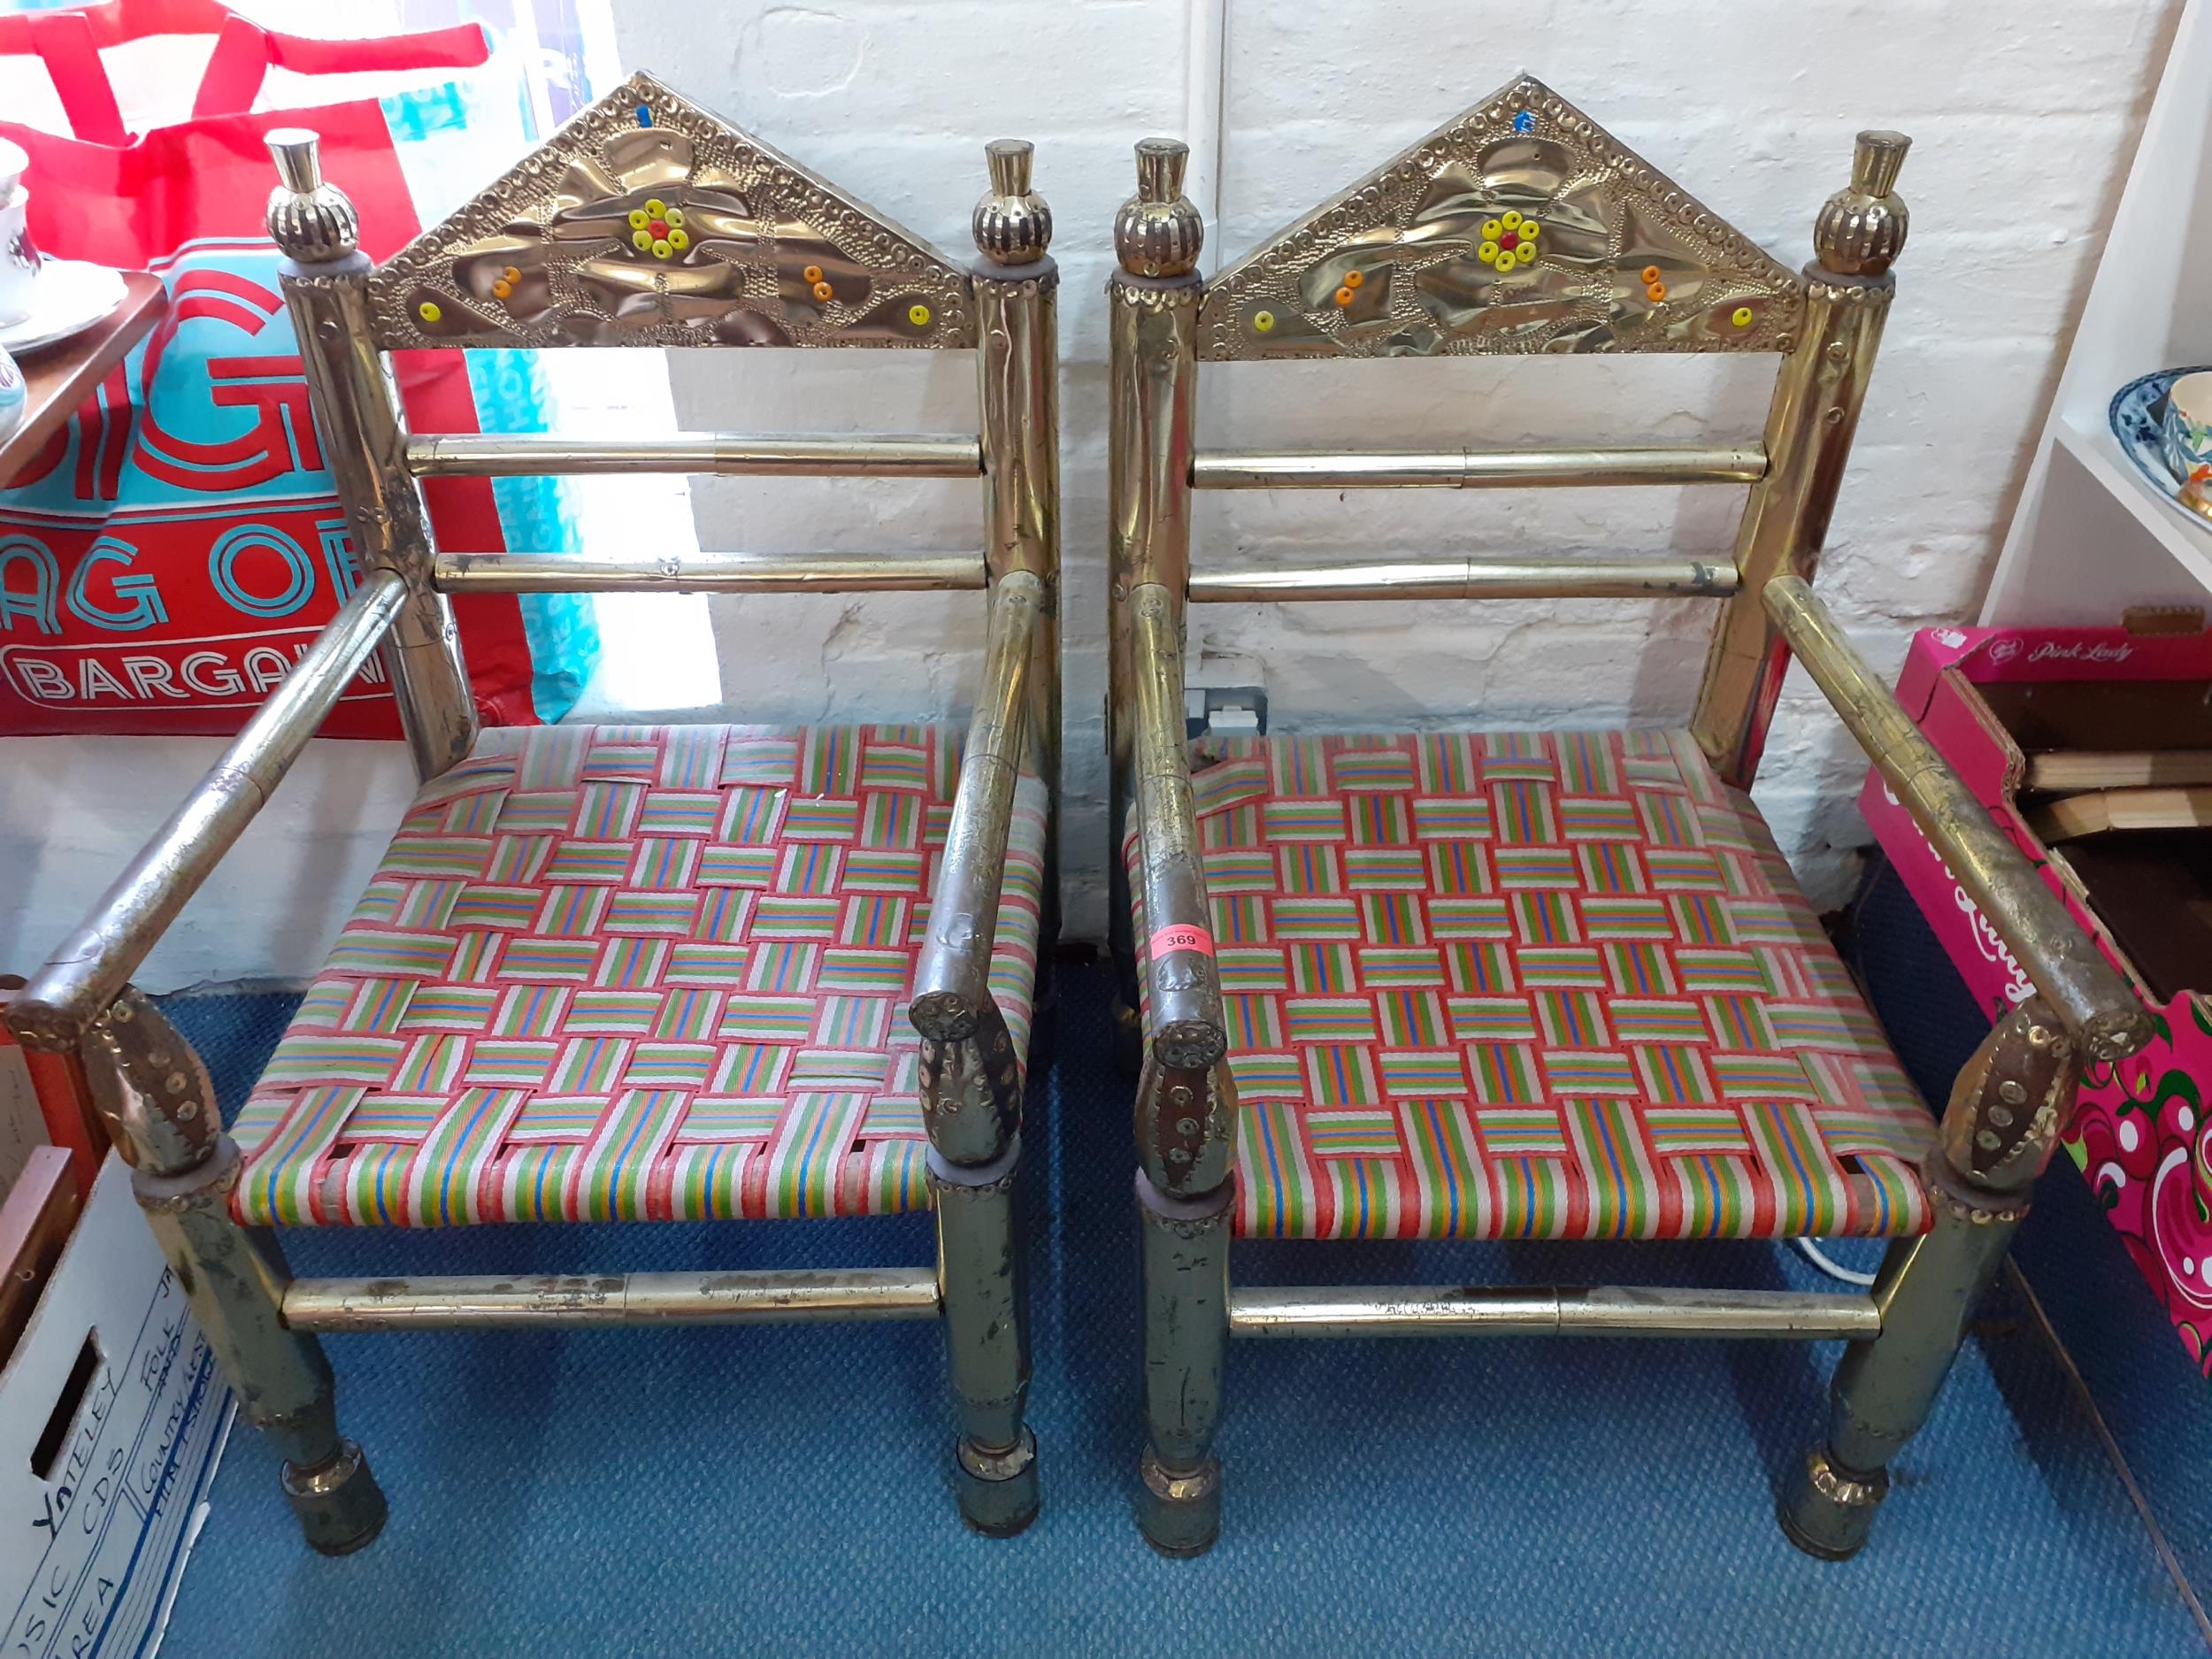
(1432, 254)
(648, 221)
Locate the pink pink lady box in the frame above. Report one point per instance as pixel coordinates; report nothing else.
(1989, 699)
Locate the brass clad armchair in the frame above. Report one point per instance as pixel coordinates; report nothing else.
(614, 973)
(1538, 985)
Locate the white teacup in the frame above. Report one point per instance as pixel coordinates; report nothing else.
(19, 259)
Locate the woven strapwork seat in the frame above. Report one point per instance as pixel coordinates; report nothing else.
(623, 973)
(1535, 986)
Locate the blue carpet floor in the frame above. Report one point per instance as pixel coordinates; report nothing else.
(785, 1491)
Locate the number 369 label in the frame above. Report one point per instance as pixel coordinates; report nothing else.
(1182, 938)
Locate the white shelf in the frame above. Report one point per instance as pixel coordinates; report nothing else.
(2100, 453)
(2090, 536)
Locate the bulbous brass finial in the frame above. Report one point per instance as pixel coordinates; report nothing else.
(1861, 230)
(1012, 224)
(312, 221)
(1159, 232)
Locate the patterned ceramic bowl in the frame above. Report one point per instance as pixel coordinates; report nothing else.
(2185, 435)
(12, 394)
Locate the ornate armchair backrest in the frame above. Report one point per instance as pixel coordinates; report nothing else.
(1519, 228)
(646, 221)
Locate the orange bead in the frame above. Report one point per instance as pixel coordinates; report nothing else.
(1651, 273)
(1656, 292)
(822, 291)
(501, 290)
(812, 274)
(1344, 296)
(1353, 279)
(512, 274)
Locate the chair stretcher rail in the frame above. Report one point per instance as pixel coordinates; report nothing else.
(1472, 469)
(1549, 1310)
(2057, 953)
(799, 1297)
(1470, 579)
(82, 977)
(952, 980)
(708, 573)
(728, 454)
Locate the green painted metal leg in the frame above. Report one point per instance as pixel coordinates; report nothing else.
(234, 1280)
(1185, 1244)
(1885, 1388)
(155, 1096)
(983, 1274)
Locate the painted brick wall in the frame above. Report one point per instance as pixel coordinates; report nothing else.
(2023, 118)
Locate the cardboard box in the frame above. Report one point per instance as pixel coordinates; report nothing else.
(112, 1417)
(1993, 701)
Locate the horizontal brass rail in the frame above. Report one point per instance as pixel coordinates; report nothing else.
(1549, 1310)
(708, 573)
(1470, 579)
(797, 1296)
(729, 454)
(1472, 469)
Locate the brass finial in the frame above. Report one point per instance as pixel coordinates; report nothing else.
(1012, 224)
(1861, 230)
(1159, 232)
(312, 221)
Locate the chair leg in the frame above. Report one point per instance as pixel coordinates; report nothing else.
(1885, 1386)
(234, 1280)
(155, 1093)
(1186, 1340)
(2006, 1111)
(983, 1275)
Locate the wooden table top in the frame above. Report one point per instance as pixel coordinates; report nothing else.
(59, 377)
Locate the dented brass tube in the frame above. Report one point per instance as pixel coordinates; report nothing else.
(1187, 1027)
(793, 1297)
(724, 454)
(952, 980)
(1470, 579)
(708, 573)
(2092, 1000)
(1335, 1310)
(84, 976)
(1472, 469)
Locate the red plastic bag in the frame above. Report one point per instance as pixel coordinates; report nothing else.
(179, 543)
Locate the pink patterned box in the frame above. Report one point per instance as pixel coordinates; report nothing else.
(2141, 1138)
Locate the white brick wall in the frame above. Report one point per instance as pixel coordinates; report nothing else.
(2023, 118)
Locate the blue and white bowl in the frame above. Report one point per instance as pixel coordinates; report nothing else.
(2184, 434)
(13, 396)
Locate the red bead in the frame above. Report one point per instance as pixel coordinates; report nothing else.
(659, 228)
(1508, 239)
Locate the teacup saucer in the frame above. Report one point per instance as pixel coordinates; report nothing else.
(70, 297)
(2138, 411)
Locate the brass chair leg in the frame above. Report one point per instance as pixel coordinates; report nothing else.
(983, 1277)
(1885, 1388)
(2010, 1103)
(1186, 1340)
(156, 1095)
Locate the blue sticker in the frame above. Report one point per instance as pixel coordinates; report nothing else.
(1525, 122)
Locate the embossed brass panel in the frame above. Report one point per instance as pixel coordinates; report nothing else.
(646, 221)
(1520, 226)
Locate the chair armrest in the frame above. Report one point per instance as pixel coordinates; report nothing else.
(2090, 997)
(1185, 1024)
(952, 988)
(79, 981)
